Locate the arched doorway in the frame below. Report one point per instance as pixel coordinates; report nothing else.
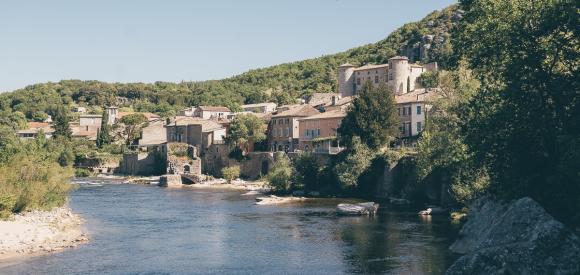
(186, 169)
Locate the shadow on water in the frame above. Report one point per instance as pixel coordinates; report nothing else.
(146, 229)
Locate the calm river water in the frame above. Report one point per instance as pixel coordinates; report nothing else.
(152, 230)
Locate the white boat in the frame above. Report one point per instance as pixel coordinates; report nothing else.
(365, 208)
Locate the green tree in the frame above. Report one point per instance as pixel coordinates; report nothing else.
(231, 173)
(245, 129)
(525, 129)
(372, 117)
(104, 133)
(358, 158)
(61, 123)
(280, 174)
(307, 170)
(131, 126)
(429, 79)
(14, 120)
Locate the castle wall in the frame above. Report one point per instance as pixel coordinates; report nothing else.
(345, 81)
(398, 75)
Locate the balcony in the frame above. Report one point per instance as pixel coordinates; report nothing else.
(328, 150)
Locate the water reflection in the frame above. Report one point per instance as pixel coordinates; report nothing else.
(145, 229)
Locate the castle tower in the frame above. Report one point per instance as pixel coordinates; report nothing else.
(346, 80)
(399, 74)
(112, 112)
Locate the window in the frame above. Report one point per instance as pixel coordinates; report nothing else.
(399, 110)
(418, 110)
(289, 132)
(419, 126)
(376, 79)
(287, 121)
(318, 134)
(402, 128)
(274, 122)
(404, 111)
(358, 81)
(280, 121)
(306, 133)
(409, 111)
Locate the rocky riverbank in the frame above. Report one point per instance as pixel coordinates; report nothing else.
(39, 232)
(515, 238)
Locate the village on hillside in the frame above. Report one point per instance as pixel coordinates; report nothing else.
(192, 143)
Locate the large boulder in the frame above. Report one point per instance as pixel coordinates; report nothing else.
(516, 238)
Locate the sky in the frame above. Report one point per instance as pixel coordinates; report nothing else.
(148, 41)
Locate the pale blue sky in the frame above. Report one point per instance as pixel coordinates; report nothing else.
(146, 41)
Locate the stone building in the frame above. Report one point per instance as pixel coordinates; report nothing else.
(34, 129)
(412, 109)
(206, 112)
(283, 130)
(195, 131)
(263, 108)
(155, 133)
(318, 133)
(398, 74)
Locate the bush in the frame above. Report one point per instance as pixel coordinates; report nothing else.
(231, 173)
(307, 170)
(27, 181)
(82, 173)
(358, 159)
(280, 175)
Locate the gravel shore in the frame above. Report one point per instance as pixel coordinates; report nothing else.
(39, 232)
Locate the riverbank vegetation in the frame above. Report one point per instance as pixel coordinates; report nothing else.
(509, 123)
(33, 174)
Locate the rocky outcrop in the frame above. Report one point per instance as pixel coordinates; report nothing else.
(516, 238)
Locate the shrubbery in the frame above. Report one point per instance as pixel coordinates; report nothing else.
(31, 174)
(231, 173)
(280, 174)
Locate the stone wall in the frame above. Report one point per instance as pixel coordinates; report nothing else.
(140, 164)
(252, 166)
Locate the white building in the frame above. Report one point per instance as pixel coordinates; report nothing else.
(263, 108)
(206, 112)
(412, 109)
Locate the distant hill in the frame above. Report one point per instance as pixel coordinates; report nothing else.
(423, 41)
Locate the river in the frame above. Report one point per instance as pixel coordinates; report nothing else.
(153, 230)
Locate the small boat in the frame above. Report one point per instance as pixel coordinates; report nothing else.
(425, 212)
(365, 208)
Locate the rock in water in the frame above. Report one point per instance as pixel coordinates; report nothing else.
(519, 238)
(365, 208)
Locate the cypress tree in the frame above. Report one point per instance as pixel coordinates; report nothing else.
(103, 135)
(61, 124)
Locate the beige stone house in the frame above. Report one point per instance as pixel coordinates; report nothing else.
(412, 109)
(283, 130)
(318, 133)
(263, 108)
(198, 132)
(211, 112)
(398, 74)
(34, 129)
